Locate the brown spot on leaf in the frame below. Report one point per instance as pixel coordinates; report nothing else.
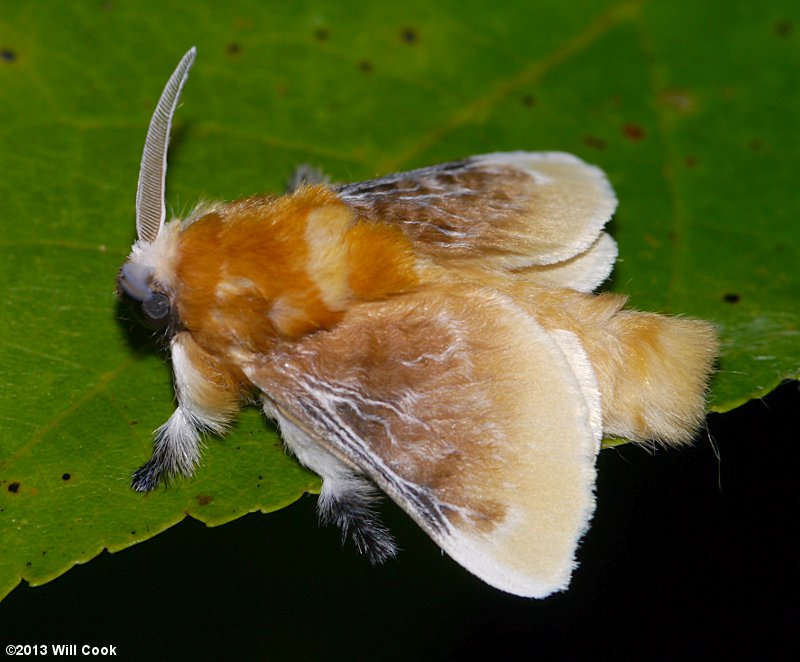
(233, 48)
(633, 132)
(204, 499)
(7, 55)
(365, 66)
(66, 476)
(13, 487)
(784, 28)
(690, 161)
(594, 142)
(242, 23)
(731, 297)
(756, 145)
(409, 35)
(322, 34)
(529, 101)
(651, 240)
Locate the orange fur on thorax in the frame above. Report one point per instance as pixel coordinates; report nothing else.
(267, 268)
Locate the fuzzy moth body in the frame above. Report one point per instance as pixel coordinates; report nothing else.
(432, 333)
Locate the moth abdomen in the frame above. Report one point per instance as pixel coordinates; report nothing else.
(662, 374)
(652, 370)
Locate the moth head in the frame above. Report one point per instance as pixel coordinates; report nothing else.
(144, 277)
(136, 282)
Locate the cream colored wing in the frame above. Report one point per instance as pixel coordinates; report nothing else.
(584, 272)
(482, 425)
(506, 210)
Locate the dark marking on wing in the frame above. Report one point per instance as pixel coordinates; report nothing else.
(445, 206)
(424, 502)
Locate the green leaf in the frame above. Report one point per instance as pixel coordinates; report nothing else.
(690, 108)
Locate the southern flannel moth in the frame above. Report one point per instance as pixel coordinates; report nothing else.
(431, 333)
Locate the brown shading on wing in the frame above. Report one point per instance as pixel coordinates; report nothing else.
(508, 209)
(467, 413)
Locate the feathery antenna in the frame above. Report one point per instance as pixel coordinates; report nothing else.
(150, 208)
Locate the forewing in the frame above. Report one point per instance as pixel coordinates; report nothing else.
(480, 424)
(507, 209)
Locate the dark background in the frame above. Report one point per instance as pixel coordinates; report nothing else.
(688, 556)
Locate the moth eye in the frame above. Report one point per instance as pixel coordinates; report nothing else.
(156, 310)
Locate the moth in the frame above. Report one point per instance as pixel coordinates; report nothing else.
(431, 333)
